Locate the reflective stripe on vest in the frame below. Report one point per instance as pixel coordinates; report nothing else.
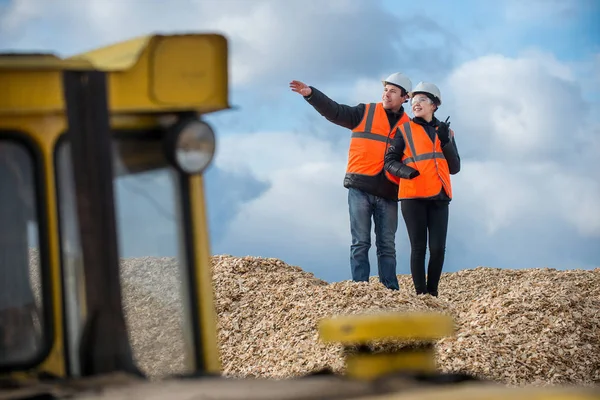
(426, 156)
(370, 140)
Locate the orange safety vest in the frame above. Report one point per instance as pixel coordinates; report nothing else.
(427, 157)
(370, 140)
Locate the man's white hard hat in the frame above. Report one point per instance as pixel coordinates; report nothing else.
(399, 79)
(429, 88)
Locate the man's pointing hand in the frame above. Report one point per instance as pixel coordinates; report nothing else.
(301, 88)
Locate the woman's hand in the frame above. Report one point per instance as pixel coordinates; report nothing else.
(443, 132)
(414, 173)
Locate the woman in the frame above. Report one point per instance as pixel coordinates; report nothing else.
(423, 155)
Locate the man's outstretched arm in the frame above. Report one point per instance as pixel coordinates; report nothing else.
(340, 114)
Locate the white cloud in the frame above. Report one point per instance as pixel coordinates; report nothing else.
(17, 14)
(588, 73)
(502, 196)
(517, 117)
(519, 108)
(303, 209)
(302, 217)
(270, 40)
(365, 91)
(539, 10)
(305, 174)
(264, 153)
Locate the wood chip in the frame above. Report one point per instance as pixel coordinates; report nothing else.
(517, 327)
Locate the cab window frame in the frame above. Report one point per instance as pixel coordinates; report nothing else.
(186, 257)
(60, 229)
(40, 191)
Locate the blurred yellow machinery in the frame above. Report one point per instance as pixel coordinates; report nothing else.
(68, 128)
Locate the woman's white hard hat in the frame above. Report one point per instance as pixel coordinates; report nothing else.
(426, 87)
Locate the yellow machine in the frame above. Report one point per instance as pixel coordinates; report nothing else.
(68, 129)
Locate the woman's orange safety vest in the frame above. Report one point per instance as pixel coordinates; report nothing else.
(426, 156)
(369, 142)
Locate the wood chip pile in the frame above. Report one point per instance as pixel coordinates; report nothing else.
(537, 326)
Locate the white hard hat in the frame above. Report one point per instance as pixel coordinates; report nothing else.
(399, 79)
(426, 87)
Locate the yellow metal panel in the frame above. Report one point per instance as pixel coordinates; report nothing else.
(44, 131)
(205, 300)
(47, 134)
(174, 73)
(186, 69)
(119, 56)
(158, 73)
(38, 62)
(369, 366)
(355, 329)
(30, 92)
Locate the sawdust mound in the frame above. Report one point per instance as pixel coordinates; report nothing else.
(537, 326)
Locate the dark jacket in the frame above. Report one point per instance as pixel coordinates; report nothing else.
(349, 117)
(393, 156)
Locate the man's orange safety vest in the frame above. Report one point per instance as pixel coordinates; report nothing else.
(426, 156)
(369, 142)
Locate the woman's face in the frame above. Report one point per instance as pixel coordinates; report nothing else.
(422, 106)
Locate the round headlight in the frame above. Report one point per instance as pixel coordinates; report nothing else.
(194, 147)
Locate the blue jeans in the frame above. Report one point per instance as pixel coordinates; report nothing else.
(363, 207)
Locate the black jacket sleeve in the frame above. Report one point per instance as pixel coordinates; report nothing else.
(393, 159)
(340, 114)
(451, 155)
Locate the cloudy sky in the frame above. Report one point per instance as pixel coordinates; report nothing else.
(520, 82)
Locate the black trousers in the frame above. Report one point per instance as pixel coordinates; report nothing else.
(423, 217)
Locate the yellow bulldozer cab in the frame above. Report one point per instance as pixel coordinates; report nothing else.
(146, 98)
(70, 130)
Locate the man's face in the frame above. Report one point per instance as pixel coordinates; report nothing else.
(392, 97)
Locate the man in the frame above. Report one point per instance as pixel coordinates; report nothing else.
(372, 191)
